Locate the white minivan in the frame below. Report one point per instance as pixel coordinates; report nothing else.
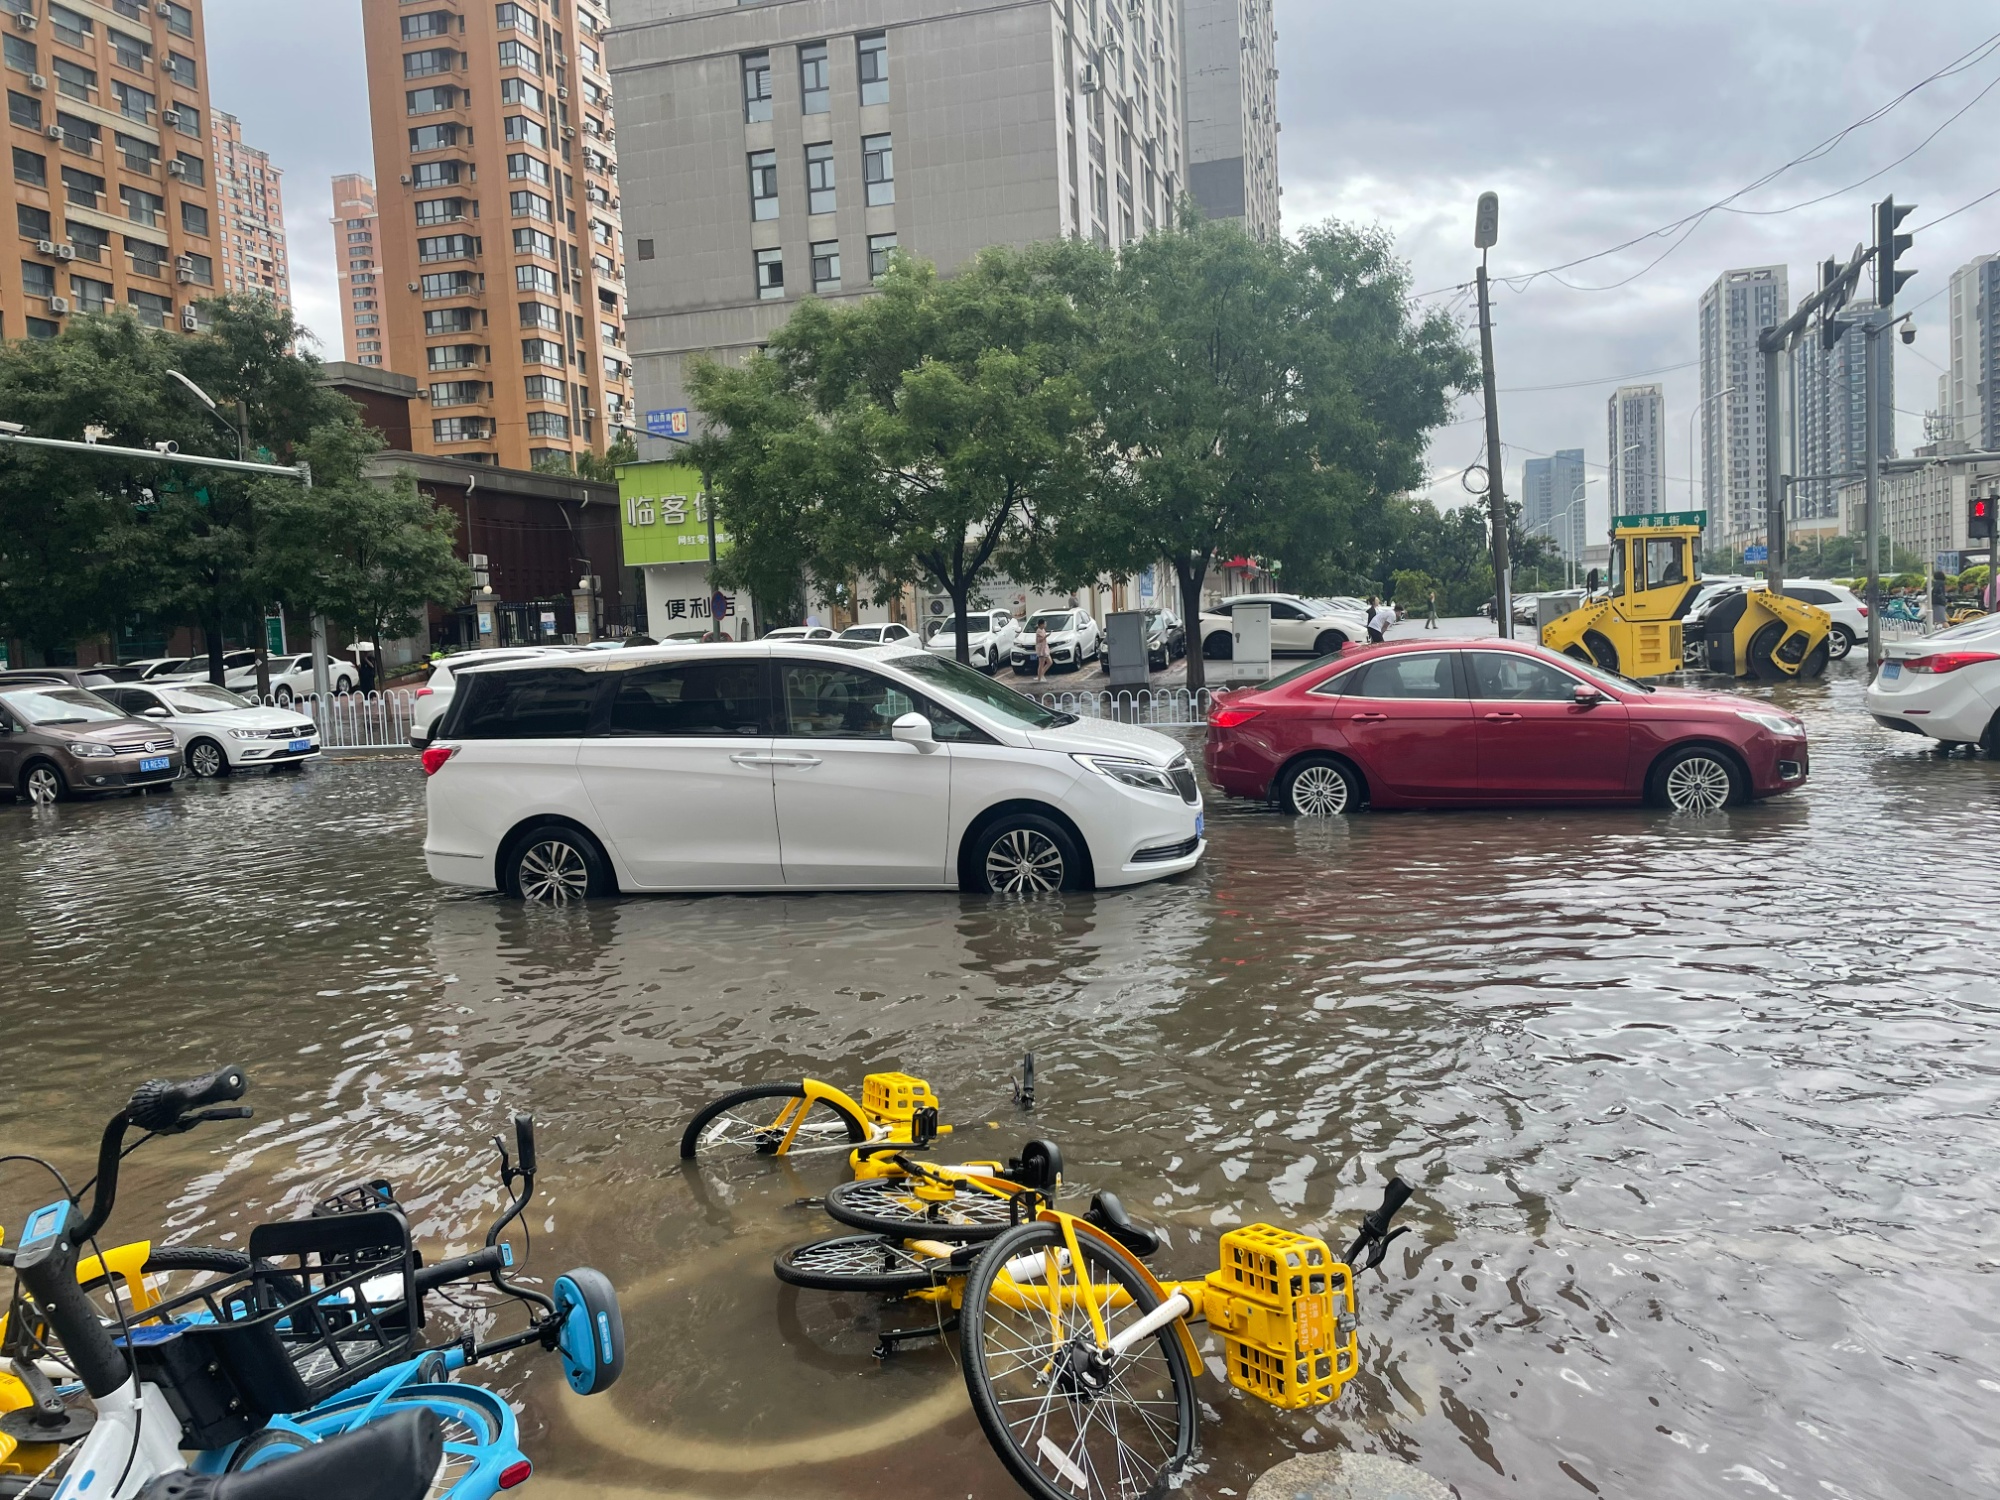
(788, 765)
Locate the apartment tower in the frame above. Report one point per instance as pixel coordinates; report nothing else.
(776, 152)
(108, 121)
(1968, 394)
(250, 213)
(1734, 404)
(1552, 500)
(502, 251)
(1636, 430)
(1829, 415)
(1232, 112)
(357, 260)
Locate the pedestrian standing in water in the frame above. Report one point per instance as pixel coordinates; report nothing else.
(1431, 612)
(1938, 599)
(1376, 622)
(1041, 649)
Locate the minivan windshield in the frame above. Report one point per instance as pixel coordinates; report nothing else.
(60, 705)
(960, 686)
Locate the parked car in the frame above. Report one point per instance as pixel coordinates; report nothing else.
(291, 677)
(150, 667)
(1313, 627)
(792, 765)
(1176, 635)
(1946, 685)
(58, 740)
(799, 633)
(80, 677)
(989, 640)
(219, 731)
(1493, 722)
(1073, 639)
(1159, 654)
(1850, 615)
(195, 669)
(879, 635)
(434, 697)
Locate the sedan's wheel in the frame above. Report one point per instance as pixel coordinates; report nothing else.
(1320, 789)
(282, 696)
(1024, 855)
(553, 865)
(1328, 642)
(1218, 646)
(1696, 781)
(1839, 643)
(205, 759)
(42, 784)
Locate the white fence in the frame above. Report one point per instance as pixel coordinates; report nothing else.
(1156, 708)
(359, 721)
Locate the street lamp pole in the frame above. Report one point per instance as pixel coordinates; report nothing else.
(1699, 408)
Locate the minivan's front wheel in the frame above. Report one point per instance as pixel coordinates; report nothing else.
(553, 864)
(1023, 854)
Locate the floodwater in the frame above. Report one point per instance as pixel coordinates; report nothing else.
(1701, 1112)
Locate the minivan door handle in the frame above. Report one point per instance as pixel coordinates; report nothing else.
(799, 762)
(753, 758)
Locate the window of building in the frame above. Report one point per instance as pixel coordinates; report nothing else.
(433, 138)
(38, 280)
(815, 78)
(541, 315)
(770, 274)
(548, 424)
(514, 18)
(432, 60)
(462, 430)
(180, 20)
(763, 185)
(43, 328)
(447, 320)
(185, 118)
(431, 23)
(79, 82)
(89, 242)
(535, 279)
(194, 171)
(530, 206)
(24, 111)
(819, 178)
(547, 388)
(880, 248)
(91, 295)
(360, 239)
(430, 101)
(194, 219)
(129, 52)
(515, 55)
(541, 352)
(826, 266)
(443, 283)
(872, 56)
(757, 86)
(70, 27)
(439, 211)
(520, 165)
(458, 392)
(527, 131)
(30, 168)
(520, 91)
(445, 247)
(151, 309)
(614, 370)
(84, 189)
(878, 170)
(432, 174)
(534, 242)
(22, 56)
(145, 258)
(200, 269)
(34, 223)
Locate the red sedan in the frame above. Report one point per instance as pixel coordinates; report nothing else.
(1492, 723)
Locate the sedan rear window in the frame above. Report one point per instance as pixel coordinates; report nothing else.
(531, 705)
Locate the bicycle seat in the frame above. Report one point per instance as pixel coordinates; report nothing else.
(393, 1459)
(1108, 1214)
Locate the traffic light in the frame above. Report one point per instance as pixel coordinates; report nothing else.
(1889, 247)
(1979, 517)
(1836, 290)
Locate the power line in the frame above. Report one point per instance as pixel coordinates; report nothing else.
(1572, 385)
(1952, 215)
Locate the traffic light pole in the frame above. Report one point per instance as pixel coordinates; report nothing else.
(1496, 489)
(1871, 505)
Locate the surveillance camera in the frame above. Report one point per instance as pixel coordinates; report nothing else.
(167, 447)
(1909, 333)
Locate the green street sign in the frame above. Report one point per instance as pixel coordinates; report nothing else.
(1661, 518)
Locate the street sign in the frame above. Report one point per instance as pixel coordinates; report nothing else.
(274, 635)
(1951, 562)
(1661, 518)
(1756, 554)
(672, 423)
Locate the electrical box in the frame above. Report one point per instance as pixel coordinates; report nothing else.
(1250, 633)
(1125, 639)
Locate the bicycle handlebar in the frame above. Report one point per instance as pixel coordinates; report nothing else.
(1375, 1232)
(524, 1143)
(461, 1268)
(158, 1106)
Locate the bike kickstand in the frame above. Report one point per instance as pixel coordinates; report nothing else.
(892, 1338)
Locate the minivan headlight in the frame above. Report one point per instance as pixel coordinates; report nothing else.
(90, 749)
(1142, 774)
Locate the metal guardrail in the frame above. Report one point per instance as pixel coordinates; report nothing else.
(1155, 708)
(358, 721)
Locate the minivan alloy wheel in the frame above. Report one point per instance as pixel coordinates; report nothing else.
(1701, 783)
(1024, 862)
(554, 872)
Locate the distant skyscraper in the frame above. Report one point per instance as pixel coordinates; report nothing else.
(1739, 306)
(1232, 112)
(1552, 503)
(1968, 394)
(355, 246)
(1637, 429)
(1828, 415)
(251, 215)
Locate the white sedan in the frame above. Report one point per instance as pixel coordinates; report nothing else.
(989, 637)
(799, 633)
(1074, 639)
(880, 635)
(1945, 685)
(1299, 626)
(219, 731)
(292, 677)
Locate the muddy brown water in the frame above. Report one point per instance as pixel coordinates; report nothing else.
(1702, 1112)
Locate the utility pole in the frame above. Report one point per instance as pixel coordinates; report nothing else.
(1486, 234)
(1889, 248)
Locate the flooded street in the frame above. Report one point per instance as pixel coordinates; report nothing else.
(1703, 1114)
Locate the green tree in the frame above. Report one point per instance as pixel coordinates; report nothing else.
(603, 467)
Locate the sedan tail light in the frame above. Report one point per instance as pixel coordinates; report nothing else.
(422, 692)
(435, 756)
(1949, 661)
(1864, 610)
(1229, 718)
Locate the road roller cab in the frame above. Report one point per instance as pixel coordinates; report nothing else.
(1640, 626)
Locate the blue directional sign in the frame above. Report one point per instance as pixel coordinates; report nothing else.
(1756, 554)
(672, 423)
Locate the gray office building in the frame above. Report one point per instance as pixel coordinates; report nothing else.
(1968, 392)
(1552, 500)
(1735, 309)
(781, 150)
(1829, 415)
(1232, 112)
(1636, 430)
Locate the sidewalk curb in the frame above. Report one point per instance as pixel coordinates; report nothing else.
(1347, 1476)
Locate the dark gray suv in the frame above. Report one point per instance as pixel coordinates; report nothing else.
(58, 741)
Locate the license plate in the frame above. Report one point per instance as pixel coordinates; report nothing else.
(1200, 822)
(1891, 670)
(154, 763)
(298, 745)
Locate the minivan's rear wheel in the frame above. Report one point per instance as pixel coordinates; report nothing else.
(205, 759)
(553, 864)
(1024, 854)
(43, 785)
(1695, 780)
(1320, 788)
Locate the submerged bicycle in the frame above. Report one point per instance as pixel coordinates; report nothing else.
(315, 1337)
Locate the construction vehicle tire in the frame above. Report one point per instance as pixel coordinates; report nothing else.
(1816, 659)
(1762, 656)
(1602, 652)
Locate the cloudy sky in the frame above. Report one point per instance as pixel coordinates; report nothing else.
(1594, 122)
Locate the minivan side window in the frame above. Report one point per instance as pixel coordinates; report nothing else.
(711, 698)
(551, 704)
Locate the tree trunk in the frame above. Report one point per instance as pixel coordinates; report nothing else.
(1191, 572)
(960, 591)
(211, 630)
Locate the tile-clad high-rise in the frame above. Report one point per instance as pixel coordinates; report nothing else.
(1636, 434)
(502, 247)
(778, 151)
(1829, 415)
(1969, 390)
(108, 127)
(1736, 308)
(249, 215)
(1232, 112)
(358, 268)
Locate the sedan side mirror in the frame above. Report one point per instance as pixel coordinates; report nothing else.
(914, 729)
(1586, 696)
(155, 712)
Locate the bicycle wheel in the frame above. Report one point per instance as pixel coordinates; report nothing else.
(727, 1127)
(1068, 1422)
(859, 1263)
(890, 1205)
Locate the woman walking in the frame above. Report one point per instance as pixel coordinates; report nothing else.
(1431, 615)
(1041, 649)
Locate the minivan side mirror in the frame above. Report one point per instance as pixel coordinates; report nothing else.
(914, 729)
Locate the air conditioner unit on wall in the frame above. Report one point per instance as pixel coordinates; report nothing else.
(1092, 80)
(37, 82)
(190, 319)
(58, 304)
(45, 247)
(26, 20)
(65, 252)
(55, 132)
